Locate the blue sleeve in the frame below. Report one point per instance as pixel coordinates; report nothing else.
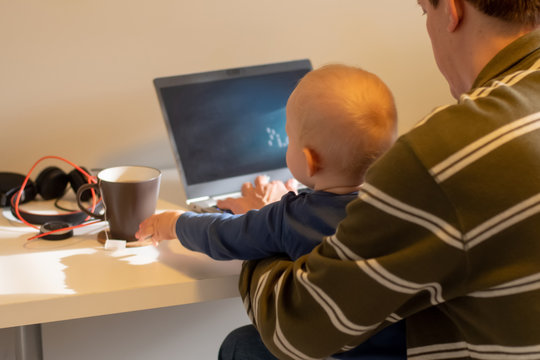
(254, 235)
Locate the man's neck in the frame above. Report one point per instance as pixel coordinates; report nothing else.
(480, 40)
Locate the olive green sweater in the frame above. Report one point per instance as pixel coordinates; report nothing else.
(445, 234)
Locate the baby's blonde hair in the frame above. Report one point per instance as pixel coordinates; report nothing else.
(347, 115)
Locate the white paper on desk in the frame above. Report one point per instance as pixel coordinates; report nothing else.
(111, 244)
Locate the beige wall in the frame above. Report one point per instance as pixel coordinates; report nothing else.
(76, 81)
(76, 76)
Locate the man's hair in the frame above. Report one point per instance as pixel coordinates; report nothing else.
(348, 115)
(524, 12)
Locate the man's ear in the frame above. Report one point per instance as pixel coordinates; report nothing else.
(313, 161)
(454, 11)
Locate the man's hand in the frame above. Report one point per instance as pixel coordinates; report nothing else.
(255, 197)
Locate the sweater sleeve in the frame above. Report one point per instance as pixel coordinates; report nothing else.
(253, 235)
(371, 274)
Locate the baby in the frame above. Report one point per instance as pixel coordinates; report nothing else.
(339, 120)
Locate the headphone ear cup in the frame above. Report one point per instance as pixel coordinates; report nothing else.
(10, 183)
(51, 183)
(29, 193)
(77, 179)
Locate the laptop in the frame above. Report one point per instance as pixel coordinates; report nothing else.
(228, 126)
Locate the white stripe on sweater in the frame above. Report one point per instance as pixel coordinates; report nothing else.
(341, 250)
(518, 286)
(483, 146)
(502, 221)
(508, 80)
(439, 227)
(279, 337)
(335, 314)
(394, 207)
(258, 291)
(463, 349)
(374, 270)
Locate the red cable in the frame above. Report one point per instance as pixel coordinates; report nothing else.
(91, 179)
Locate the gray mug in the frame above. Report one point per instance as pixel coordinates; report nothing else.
(129, 195)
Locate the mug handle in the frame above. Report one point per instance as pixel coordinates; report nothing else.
(80, 191)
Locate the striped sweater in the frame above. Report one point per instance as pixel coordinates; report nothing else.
(445, 234)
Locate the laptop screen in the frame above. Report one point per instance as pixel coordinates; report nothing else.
(228, 126)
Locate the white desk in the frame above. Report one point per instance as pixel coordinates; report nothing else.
(43, 281)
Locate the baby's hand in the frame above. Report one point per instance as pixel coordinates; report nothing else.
(159, 227)
(255, 197)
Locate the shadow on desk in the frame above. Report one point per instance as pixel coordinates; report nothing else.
(195, 265)
(140, 267)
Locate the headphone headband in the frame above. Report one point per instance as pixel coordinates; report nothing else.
(72, 218)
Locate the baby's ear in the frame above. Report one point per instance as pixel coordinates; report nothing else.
(313, 161)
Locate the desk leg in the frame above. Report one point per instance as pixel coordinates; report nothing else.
(28, 343)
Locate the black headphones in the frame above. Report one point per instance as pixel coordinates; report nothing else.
(51, 183)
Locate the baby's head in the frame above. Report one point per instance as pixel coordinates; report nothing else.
(339, 120)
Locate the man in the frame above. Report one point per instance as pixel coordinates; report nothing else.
(445, 232)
